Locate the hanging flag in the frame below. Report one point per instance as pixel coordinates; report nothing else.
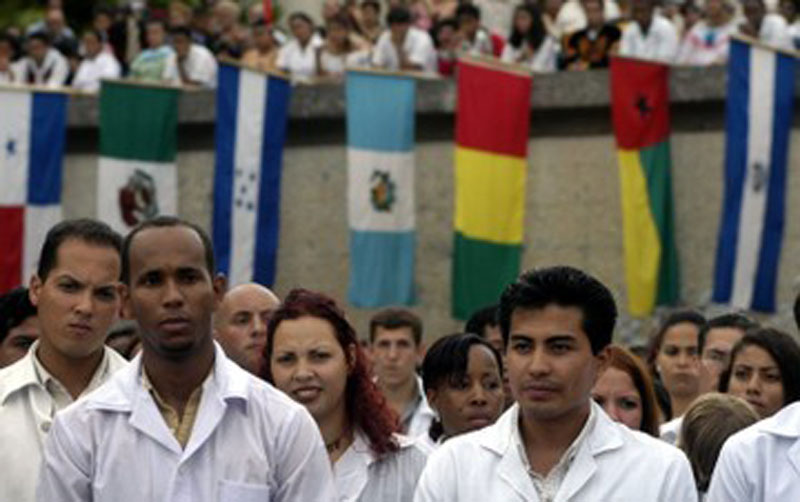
(137, 177)
(759, 119)
(640, 112)
(492, 124)
(32, 132)
(252, 108)
(380, 189)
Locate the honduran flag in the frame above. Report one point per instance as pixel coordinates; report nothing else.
(252, 109)
(380, 190)
(640, 113)
(759, 117)
(491, 164)
(32, 132)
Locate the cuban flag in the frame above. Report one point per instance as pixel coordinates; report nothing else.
(380, 191)
(758, 122)
(252, 109)
(32, 132)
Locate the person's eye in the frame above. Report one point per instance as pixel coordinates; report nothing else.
(69, 286)
(284, 359)
(522, 346)
(320, 356)
(628, 404)
(741, 374)
(492, 384)
(560, 347)
(150, 280)
(106, 294)
(772, 377)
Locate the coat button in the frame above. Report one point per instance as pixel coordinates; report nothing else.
(45, 427)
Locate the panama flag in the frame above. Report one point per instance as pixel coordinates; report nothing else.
(252, 108)
(380, 159)
(32, 131)
(759, 118)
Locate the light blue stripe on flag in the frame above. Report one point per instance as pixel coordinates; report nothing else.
(48, 130)
(380, 132)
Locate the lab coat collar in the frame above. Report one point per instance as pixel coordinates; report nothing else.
(352, 469)
(19, 375)
(786, 424)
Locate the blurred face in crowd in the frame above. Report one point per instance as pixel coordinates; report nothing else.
(399, 31)
(101, 22)
(715, 9)
(446, 37)
(309, 365)
(262, 36)
(78, 300)
(468, 25)
(55, 21)
(617, 394)
(369, 15)
(225, 16)
(18, 340)
(182, 44)
(717, 353)
(6, 54)
(754, 12)
(594, 13)
(301, 30)
(337, 34)
(155, 35)
(642, 13)
(171, 292)
(37, 49)
(522, 21)
(551, 368)
(551, 7)
(788, 10)
(179, 16)
(756, 378)
(241, 324)
(395, 356)
(91, 44)
(473, 401)
(330, 8)
(678, 362)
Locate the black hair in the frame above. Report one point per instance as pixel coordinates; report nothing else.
(394, 318)
(302, 16)
(480, 320)
(535, 35)
(372, 3)
(446, 361)
(104, 10)
(566, 287)
(83, 229)
(733, 320)
(443, 23)
(181, 30)
(674, 318)
(15, 307)
(41, 36)
(783, 349)
(96, 33)
(398, 15)
(468, 10)
(166, 222)
(796, 308)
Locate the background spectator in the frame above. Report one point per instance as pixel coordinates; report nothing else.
(339, 52)
(264, 53)
(19, 326)
(649, 36)
(8, 70)
(788, 9)
(474, 39)
(572, 16)
(708, 40)
(96, 65)
(157, 62)
(43, 65)
(529, 43)
(403, 47)
(54, 25)
(196, 64)
(180, 15)
(445, 41)
(228, 35)
(370, 21)
(769, 28)
(298, 57)
(592, 46)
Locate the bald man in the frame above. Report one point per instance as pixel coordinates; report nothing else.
(240, 324)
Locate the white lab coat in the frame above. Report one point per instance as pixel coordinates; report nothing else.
(612, 464)
(249, 443)
(761, 463)
(423, 415)
(26, 416)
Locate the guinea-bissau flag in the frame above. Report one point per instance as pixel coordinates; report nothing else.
(492, 122)
(640, 111)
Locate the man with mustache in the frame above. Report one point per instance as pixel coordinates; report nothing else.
(182, 422)
(555, 443)
(76, 291)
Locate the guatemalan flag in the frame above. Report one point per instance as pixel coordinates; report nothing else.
(32, 131)
(380, 159)
(759, 116)
(252, 109)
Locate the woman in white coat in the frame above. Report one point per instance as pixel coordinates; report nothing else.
(313, 355)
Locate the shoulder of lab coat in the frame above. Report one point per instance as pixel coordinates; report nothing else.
(468, 464)
(302, 469)
(761, 462)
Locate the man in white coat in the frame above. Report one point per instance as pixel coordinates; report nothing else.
(182, 422)
(555, 444)
(760, 463)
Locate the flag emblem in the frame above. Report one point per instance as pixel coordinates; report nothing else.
(382, 191)
(138, 199)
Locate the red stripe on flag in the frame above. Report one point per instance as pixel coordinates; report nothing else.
(493, 113)
(640, 102)
(268, 11)
(12, 229)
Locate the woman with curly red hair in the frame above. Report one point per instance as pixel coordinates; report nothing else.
(313, 356)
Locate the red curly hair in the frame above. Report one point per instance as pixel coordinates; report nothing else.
(365, 405)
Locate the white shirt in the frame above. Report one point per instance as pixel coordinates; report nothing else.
(421, 418)
(29, 399)
(775, 32)
(613, 463)
(671, 431)
(200, 66)
(53, 71)
(92, 71)
(794, 34)
(660, 43)
(571, 17)
(544, 60)
(761, 463)
(336, 64)
(362, 477)
(706, 45)
(417, 45)
(249, 442)
(300, 62)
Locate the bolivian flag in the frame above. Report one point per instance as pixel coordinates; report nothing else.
(640, 110)
(493, 118)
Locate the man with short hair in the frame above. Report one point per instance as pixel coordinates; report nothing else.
(715, 343)
(475, 40)
(196, 65)
(649, 36)
(556, 443)
(768, 28)
(396, 338)
(182, 422)
(43, 65)
(403, 47)
(240, 324)
(591, 47)
(158, 62)
(19, 326)
(97, 64)
(76, 291)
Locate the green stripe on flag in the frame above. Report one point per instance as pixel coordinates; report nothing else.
(138, 123)
(657, 165)
(481, 270)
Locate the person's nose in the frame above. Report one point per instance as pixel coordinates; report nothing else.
(172, 294)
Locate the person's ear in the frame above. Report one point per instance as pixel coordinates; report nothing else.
(35, 290)
(220, 285)
(602, 361)
(352, 355)
(122, 294)
(431, 395)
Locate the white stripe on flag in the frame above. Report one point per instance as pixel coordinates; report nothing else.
(15, 132)
(247, 174)
(381, 190)
(761, 105)
(139, 176)
(38, 220)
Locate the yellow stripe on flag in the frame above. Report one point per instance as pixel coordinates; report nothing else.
(640, 236)
(490, 196)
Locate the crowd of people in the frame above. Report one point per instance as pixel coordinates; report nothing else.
(208, 393)
(182, 45)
